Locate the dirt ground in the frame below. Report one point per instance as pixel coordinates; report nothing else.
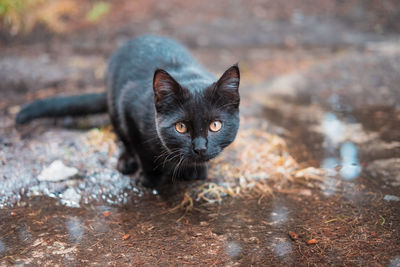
(313, 178)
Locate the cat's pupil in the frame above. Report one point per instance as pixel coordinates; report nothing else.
(180, 127)
(215, 126)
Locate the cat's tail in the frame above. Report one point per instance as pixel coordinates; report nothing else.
(63, 106)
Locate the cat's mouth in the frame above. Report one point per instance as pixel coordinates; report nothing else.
(193, 158)
(202, 158)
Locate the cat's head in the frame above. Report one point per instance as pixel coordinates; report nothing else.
(197, 125)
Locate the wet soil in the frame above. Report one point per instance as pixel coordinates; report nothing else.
(347, 227)
(333, 99)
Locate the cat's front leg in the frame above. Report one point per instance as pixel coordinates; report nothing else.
(127, 163)
(153, 174)
(195, 172)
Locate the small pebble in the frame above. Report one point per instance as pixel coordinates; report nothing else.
(56, 172)
(391, 198)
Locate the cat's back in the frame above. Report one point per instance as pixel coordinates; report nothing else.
(138, 58)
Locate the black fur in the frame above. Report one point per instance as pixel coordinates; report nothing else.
(63, 106)
(152, 84)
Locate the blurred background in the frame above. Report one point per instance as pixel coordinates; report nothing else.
(318, 153)
(84, 33)
(71, 40)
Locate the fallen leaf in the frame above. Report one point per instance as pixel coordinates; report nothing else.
(312, 241)
(293, 235)
(106, 213)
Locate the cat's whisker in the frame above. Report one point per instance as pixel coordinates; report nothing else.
(171, 159)
(167, 156)
(177, 168)
(165, 153)
(175, 174)
(182, 166)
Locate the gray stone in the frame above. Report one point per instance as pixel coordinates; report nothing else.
(56, 172)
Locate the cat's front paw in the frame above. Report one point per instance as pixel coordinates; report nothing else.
(127, 164)
(152, 179)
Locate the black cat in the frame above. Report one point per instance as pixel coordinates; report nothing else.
(169, 112)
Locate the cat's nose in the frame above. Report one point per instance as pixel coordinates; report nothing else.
(199, 145)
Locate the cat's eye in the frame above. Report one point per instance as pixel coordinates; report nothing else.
(181, 127)
(215, 126)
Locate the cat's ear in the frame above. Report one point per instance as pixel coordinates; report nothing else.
(228, 85)
(165, 86)
(230, 79)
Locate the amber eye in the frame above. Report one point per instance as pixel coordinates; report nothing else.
(181, 127)
(215, 126)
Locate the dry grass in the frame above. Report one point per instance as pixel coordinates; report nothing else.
(58, 16)
(103, 140)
